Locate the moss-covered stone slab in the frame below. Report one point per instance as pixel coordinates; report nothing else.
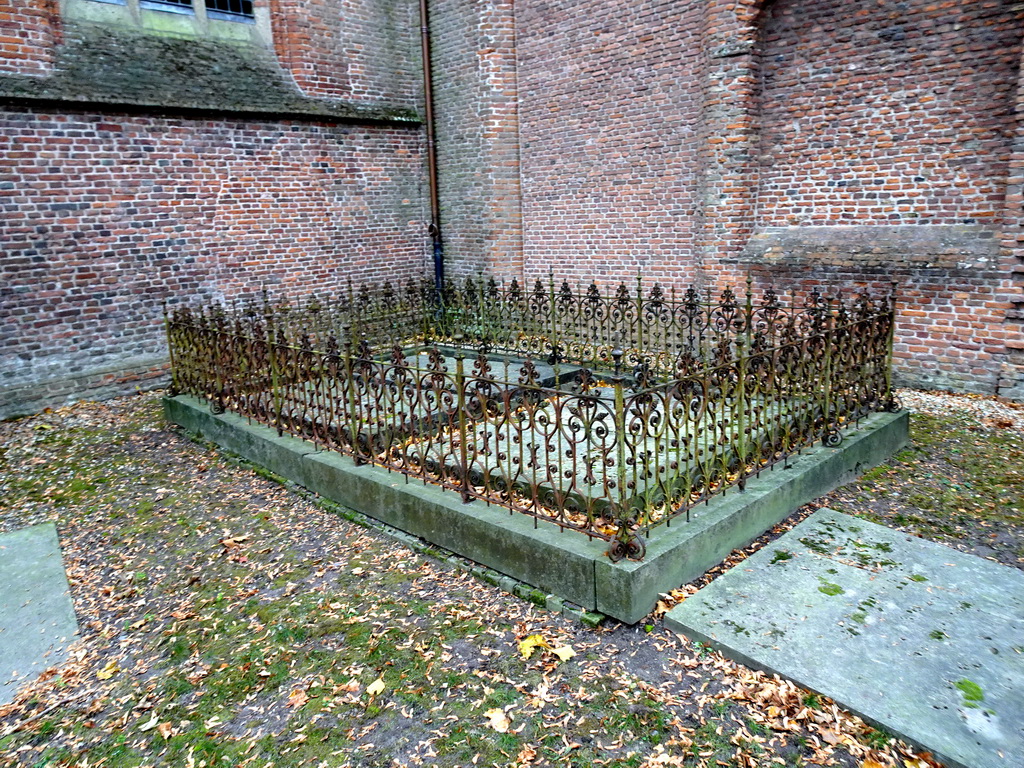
(915, 637)
(37, 618)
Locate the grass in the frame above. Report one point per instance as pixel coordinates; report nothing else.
(956, 483)
(242, 625)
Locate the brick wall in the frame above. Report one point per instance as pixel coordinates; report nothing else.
(700, 142)
(886, 137)
(474, 70)
(107, 215)
(28, 29)
(692, 142)
(899, 113)
(609, 104)
(1011, 373)
(365, 51)
(138, 170)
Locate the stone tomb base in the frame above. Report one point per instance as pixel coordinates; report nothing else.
(565, 563)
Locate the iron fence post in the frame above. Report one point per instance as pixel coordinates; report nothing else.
(353, 412)
(460, 399)
(618, 380)
(172, 386)
(741, 404)
(829, 431)
(639, 313)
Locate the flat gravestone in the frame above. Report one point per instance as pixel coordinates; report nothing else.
(37, 619)
(913, 636)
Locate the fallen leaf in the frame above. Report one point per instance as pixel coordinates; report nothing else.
(108, 671)
(376, 687)
(297, 698)
(564, 653)
(165, 730)
(528, 645)
(498, 720)
(150, 724)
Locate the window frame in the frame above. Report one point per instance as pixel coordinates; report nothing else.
(193, 20)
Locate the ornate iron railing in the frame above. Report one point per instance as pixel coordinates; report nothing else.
(610, 413)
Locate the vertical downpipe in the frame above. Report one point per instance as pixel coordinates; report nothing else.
(428, 107)
(890, 399)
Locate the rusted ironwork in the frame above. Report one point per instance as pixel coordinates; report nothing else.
(606, 412)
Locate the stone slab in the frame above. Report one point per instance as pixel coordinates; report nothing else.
(913, 636)
(37, 619)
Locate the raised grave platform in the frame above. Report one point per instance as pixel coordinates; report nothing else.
(562, 562)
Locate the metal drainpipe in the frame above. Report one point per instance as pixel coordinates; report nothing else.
(435, 207)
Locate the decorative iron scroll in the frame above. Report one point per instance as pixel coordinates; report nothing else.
(606, 412)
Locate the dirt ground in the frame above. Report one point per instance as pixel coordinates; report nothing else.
(229, 620)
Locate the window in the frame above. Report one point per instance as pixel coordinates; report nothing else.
(229, 8)
(237, 21)
(215, 8)
(178, 6)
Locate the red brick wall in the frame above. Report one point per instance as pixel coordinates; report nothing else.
(364, 51)
(900, 114)
(609, 120)
(896, 113)
(107, 215)
(27, 32)
(806, 143)
(474, 69)
(1011, 374)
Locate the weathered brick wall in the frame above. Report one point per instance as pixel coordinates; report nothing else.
(886, 137)
(107, 212)
(898, 113)
(107, 215)
(728, 133)
(609, 118)
(364, 51)
(1011, 373)
(474, 69)
(948, 283)
(802, 143)
(28, 29)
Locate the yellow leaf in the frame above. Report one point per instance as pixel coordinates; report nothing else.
(497, 719)
(564, 653)
(869, 763)
(376, 687)
(527, 646)
(108, 671)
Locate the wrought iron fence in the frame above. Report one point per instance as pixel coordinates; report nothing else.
(610, 413)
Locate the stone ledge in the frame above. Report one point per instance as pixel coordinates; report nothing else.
(123, 68)
(911, 247)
